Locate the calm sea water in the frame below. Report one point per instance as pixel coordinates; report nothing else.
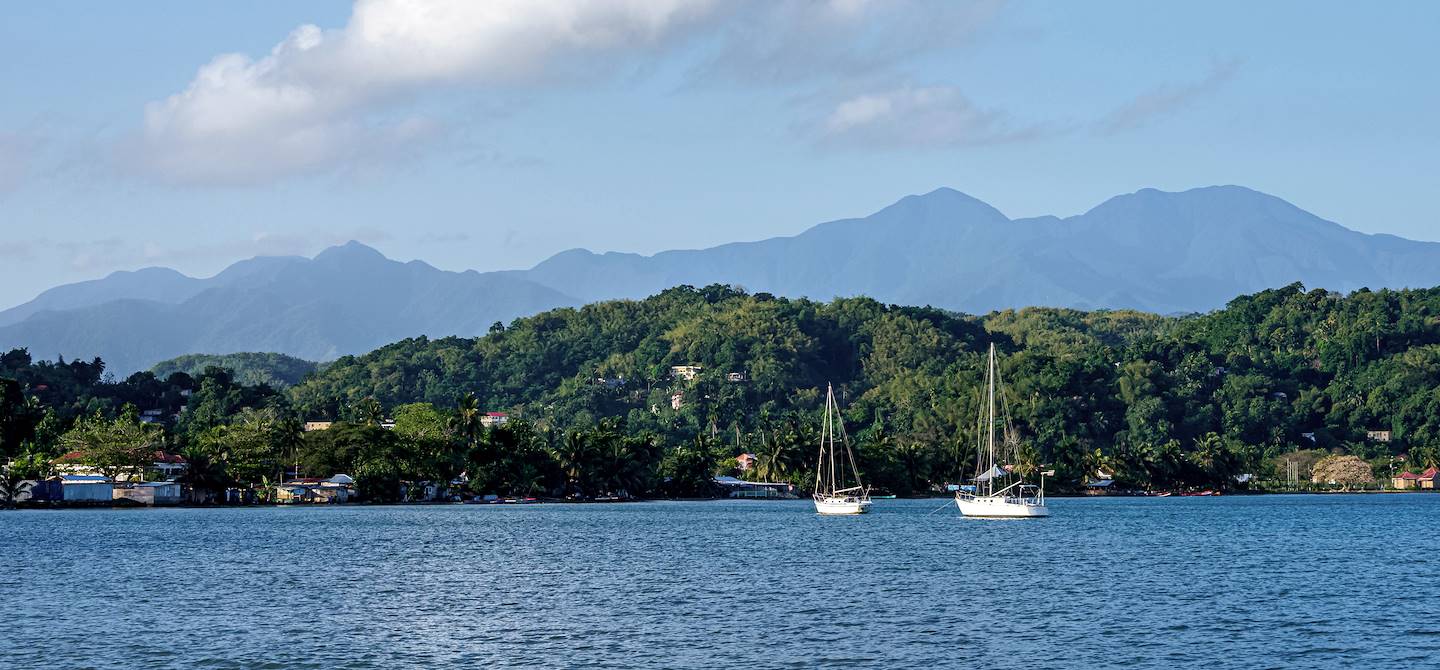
(1242, 582)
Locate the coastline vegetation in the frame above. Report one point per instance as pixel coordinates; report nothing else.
(654, 397)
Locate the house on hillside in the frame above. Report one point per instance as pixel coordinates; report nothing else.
(318, 425)
(1377, 435)
(170, 466)
(734, 377)
(677, 400)
(152, 416)
(745, 461)
(685, 372)
(492, 419)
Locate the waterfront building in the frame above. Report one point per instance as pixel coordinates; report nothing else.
(739, 488)
(1405, 480)
(86, 489)
(337, 489)
(149, 493)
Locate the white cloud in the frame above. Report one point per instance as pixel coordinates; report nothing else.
(917, 118)
(1165, 101)
(345, 97)
(784, 42)
(319, 97)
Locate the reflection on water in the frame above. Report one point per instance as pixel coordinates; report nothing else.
(1281, 581)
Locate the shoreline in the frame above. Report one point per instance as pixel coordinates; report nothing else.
(559, 501)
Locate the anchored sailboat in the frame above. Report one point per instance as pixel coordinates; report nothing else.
(831, 494)
(992, 496)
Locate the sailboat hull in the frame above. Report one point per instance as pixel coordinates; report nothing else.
(1001, 507)
(838, 505)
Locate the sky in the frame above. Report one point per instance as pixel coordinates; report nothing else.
(491, 135)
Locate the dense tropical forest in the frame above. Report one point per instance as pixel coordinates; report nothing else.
(252, 369)
(653, 397)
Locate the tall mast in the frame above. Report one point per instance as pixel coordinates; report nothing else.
(830, 425)
(990, 427)
(820, 466)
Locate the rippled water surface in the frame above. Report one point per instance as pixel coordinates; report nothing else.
(1243, 582)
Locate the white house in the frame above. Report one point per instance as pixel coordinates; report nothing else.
(492, 419)
(168, 465)
(685, 372)
(152, 416)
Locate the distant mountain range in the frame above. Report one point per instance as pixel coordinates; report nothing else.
(348, 299)
(1149, 250)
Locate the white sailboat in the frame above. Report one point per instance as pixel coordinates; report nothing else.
(992, 496)
(831, 494)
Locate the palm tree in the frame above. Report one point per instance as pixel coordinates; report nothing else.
(11, 486)
(203, 472)
(573, 456)
(466, 421)
(371, 412)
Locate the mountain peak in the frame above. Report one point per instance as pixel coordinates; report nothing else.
(1203, 201)
(941, 205)
(351, 251)
(153, 272)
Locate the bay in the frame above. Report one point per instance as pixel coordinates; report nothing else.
(1229, 582)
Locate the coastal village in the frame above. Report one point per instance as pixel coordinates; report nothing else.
(162, 481)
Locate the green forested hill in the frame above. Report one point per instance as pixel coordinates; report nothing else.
(1157, 400)
(249, 368)
(1266, 386)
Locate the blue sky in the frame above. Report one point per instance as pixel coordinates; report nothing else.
(491, 135)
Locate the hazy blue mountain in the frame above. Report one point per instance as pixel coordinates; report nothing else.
(1151, 250)
(159, 284)
(348, 299)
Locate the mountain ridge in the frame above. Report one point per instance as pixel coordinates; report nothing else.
(1157, 251)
